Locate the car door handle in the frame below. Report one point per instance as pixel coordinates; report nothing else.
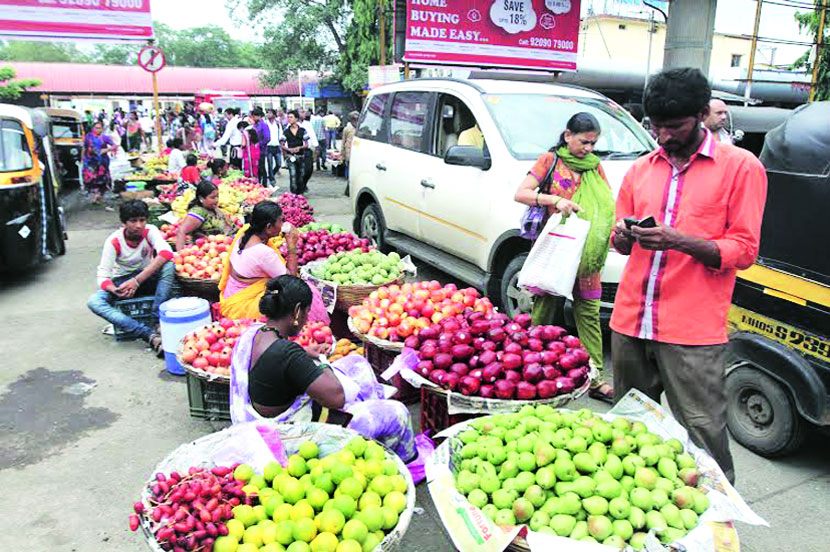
(380, 167)
(427, 184)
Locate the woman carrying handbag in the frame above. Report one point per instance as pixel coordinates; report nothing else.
(569, 179)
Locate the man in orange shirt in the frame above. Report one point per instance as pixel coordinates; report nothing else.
(707, 201)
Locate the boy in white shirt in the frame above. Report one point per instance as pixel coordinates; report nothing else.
(176, 161)
(134, 263)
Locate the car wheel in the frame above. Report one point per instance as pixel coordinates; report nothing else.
(760, 413)
(372, 227)
(512, 299)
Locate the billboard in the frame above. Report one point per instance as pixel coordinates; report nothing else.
(100, 20)
(526, 34)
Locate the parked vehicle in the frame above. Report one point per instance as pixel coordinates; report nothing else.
(414, 189)
(31, 221)
(778, 376)
(223, 99)
(67, 128)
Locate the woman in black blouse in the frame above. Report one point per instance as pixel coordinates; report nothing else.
(273, 377)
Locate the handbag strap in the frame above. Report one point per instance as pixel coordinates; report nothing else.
(547, 182)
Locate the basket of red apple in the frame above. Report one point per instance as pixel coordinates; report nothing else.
(206, 353)
(391, 314)
(478, 363)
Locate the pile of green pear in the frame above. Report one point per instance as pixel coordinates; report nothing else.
(575, 475)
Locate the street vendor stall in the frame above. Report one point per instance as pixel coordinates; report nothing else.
(271, 486)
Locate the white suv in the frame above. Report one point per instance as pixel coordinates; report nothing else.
(415, 189)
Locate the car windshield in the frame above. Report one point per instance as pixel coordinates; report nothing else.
(14, 150)
(66, 129)
(531, 123)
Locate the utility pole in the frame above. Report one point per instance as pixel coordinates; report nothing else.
(651, 31)
(748, 89)
(382, 25)
(819, 41)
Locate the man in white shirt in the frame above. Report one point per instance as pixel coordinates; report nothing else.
(148, 128)
(232, 137)
(313, 143)
(717, 119)
(134, 263)
(273, 153)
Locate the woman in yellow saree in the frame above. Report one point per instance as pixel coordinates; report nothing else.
(252, 262)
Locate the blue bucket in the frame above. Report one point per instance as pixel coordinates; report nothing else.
(178, 318)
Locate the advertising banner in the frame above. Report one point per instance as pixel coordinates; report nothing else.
(100, 20)
(526, 34)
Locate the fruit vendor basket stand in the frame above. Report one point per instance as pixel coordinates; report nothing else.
(346, 295)
(207, 394)
(381, 354)
(243, 443)
(441, 408)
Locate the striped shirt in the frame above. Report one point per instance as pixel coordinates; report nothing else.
(669, 296)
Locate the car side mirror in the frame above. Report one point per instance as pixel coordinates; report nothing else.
(468, 156)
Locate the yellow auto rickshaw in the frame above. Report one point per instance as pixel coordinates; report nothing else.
(778, 374)
(31, 220)
(67, 127)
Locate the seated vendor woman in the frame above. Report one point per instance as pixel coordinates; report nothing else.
(273, 377)
(254, 259)
(218, 170)
(203, 217)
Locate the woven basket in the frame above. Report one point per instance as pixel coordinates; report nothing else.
(196, 372)
(329, 438)
(380, 343)
(347, 295)
(199, 287)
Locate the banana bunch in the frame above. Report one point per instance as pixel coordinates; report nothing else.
(156, 164)
(179, 205)
(230, 199)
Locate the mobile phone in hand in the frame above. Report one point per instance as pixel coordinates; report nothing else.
(648, 222)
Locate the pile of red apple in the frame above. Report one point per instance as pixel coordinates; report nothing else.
(169, 231)
(296, 209)
(492, 356)
(167, 193)
(204, 258)
(313, 333)
(397, 312)
(210, 348)
(321, 244)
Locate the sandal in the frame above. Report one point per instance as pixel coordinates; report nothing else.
(155, 345)
(602, 391)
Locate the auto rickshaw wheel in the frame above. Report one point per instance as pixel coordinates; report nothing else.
(760, 413)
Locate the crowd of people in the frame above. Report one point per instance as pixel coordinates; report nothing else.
(688, 216)
(259, 143)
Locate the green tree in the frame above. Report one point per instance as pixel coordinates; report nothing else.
(363, 43)
(208, 46)
(809, 21)
(300, 35)
(11, 89)
(25, 50)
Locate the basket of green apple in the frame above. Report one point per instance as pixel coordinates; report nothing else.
(622, 481)
(355, 274)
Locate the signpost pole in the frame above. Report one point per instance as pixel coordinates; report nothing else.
(382, 25)
(817, 61)
(753, 47)
(158, 111)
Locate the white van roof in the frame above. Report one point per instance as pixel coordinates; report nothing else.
(491, 86)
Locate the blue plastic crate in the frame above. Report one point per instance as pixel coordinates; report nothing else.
(139, 309)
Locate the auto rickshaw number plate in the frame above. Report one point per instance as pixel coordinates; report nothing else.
(792, 338)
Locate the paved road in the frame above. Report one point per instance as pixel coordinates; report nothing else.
(83, 420)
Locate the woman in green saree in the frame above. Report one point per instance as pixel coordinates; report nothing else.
(569, 179)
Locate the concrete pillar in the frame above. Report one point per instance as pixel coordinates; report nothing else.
(689, 34)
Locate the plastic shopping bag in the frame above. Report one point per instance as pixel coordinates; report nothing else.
(553, 261)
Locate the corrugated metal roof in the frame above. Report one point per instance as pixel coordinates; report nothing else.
(82, 78)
